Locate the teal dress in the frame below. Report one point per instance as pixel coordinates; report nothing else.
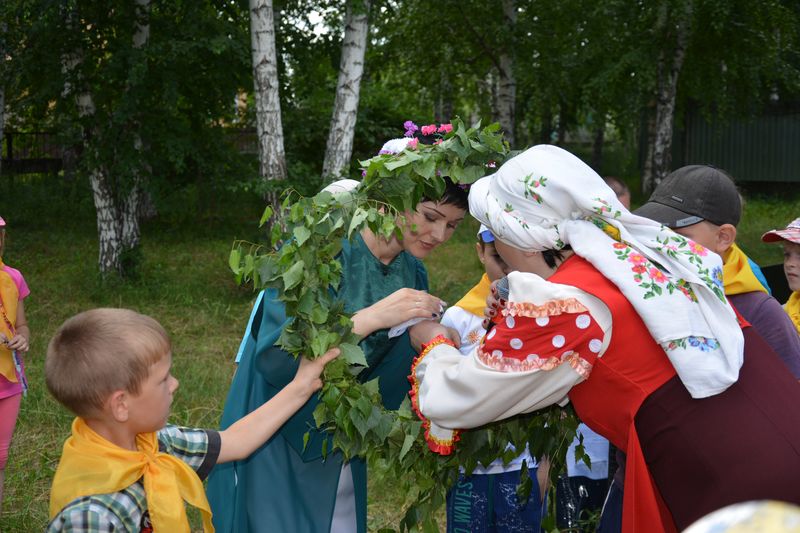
(283, 487)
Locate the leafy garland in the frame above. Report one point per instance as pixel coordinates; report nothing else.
(302, 265)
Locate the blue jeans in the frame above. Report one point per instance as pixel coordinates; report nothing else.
(488, 503)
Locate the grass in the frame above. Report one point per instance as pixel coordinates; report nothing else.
(184, 283)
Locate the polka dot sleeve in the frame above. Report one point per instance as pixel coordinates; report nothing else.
(527, 343)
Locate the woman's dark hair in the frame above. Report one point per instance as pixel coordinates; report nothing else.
(554, 257)
(457, 195)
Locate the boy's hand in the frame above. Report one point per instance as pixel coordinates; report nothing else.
(309, 372)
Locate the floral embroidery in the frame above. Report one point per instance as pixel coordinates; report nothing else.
(474, 336)
(683, 286)
(605, 207)
(698, 249)
(705, 344)
(674, 245)
(650, 276)
(716, 277)
(531, 184)
(607, 228)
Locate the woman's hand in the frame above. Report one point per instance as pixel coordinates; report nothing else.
(401, 305)
(427, 330)
(493, 305)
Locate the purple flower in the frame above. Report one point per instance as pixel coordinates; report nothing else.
(410, 127)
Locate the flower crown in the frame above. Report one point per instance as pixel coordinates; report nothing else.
(431, 133)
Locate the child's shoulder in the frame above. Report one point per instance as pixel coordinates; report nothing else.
(197, 447)
(123, 510)
(19, 280)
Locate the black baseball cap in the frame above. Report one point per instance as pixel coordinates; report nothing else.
(692, 194)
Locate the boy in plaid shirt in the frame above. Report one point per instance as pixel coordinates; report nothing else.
(123, 469)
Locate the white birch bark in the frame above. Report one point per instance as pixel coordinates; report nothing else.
(507, 83)
(272, 158)
(669, 70)
(345, 108)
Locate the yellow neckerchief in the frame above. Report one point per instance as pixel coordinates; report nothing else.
(91, 465)
(792, 307)
(737, 276)
(9, 298)
(475, 300)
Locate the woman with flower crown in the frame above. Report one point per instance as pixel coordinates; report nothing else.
(289, 485)
(622, 317)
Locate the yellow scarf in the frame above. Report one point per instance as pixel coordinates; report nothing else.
(9, 294)
(737, 276)
(92, 465)
(792, 307)
(475, 300)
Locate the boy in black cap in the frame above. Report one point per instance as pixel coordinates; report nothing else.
(701, 202)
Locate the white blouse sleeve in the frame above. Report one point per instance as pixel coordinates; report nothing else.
(544, 342)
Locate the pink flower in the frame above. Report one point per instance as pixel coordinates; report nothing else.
(639, 269)
(636, 258)
(656, 275)
(697, 248)
(429, 129)
(412, 144)
(491, 164)
(620, 245)
(445, 128)
(438, 141)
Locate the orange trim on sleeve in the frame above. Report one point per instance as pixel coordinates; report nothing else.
(435, 444)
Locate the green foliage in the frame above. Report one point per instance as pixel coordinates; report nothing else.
(304, 269)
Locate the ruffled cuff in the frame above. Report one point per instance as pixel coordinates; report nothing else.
(440, 440)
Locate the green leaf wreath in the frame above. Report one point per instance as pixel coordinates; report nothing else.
(301, 263)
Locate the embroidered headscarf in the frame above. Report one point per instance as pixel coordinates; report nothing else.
(546, 198)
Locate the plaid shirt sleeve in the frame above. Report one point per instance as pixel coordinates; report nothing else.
(103, 514)
(199, 448)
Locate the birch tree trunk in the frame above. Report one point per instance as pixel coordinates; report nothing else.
(109, 229)
(669, 70)
(271, 155)
(129, 224)
(108, 220)
(507, 83)
(650, 141)
(345, 108)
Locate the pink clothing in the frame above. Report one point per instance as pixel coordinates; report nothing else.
(9, 409)
(16, 275)
(6, 387)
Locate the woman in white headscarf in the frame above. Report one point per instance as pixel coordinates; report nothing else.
(629, 321)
